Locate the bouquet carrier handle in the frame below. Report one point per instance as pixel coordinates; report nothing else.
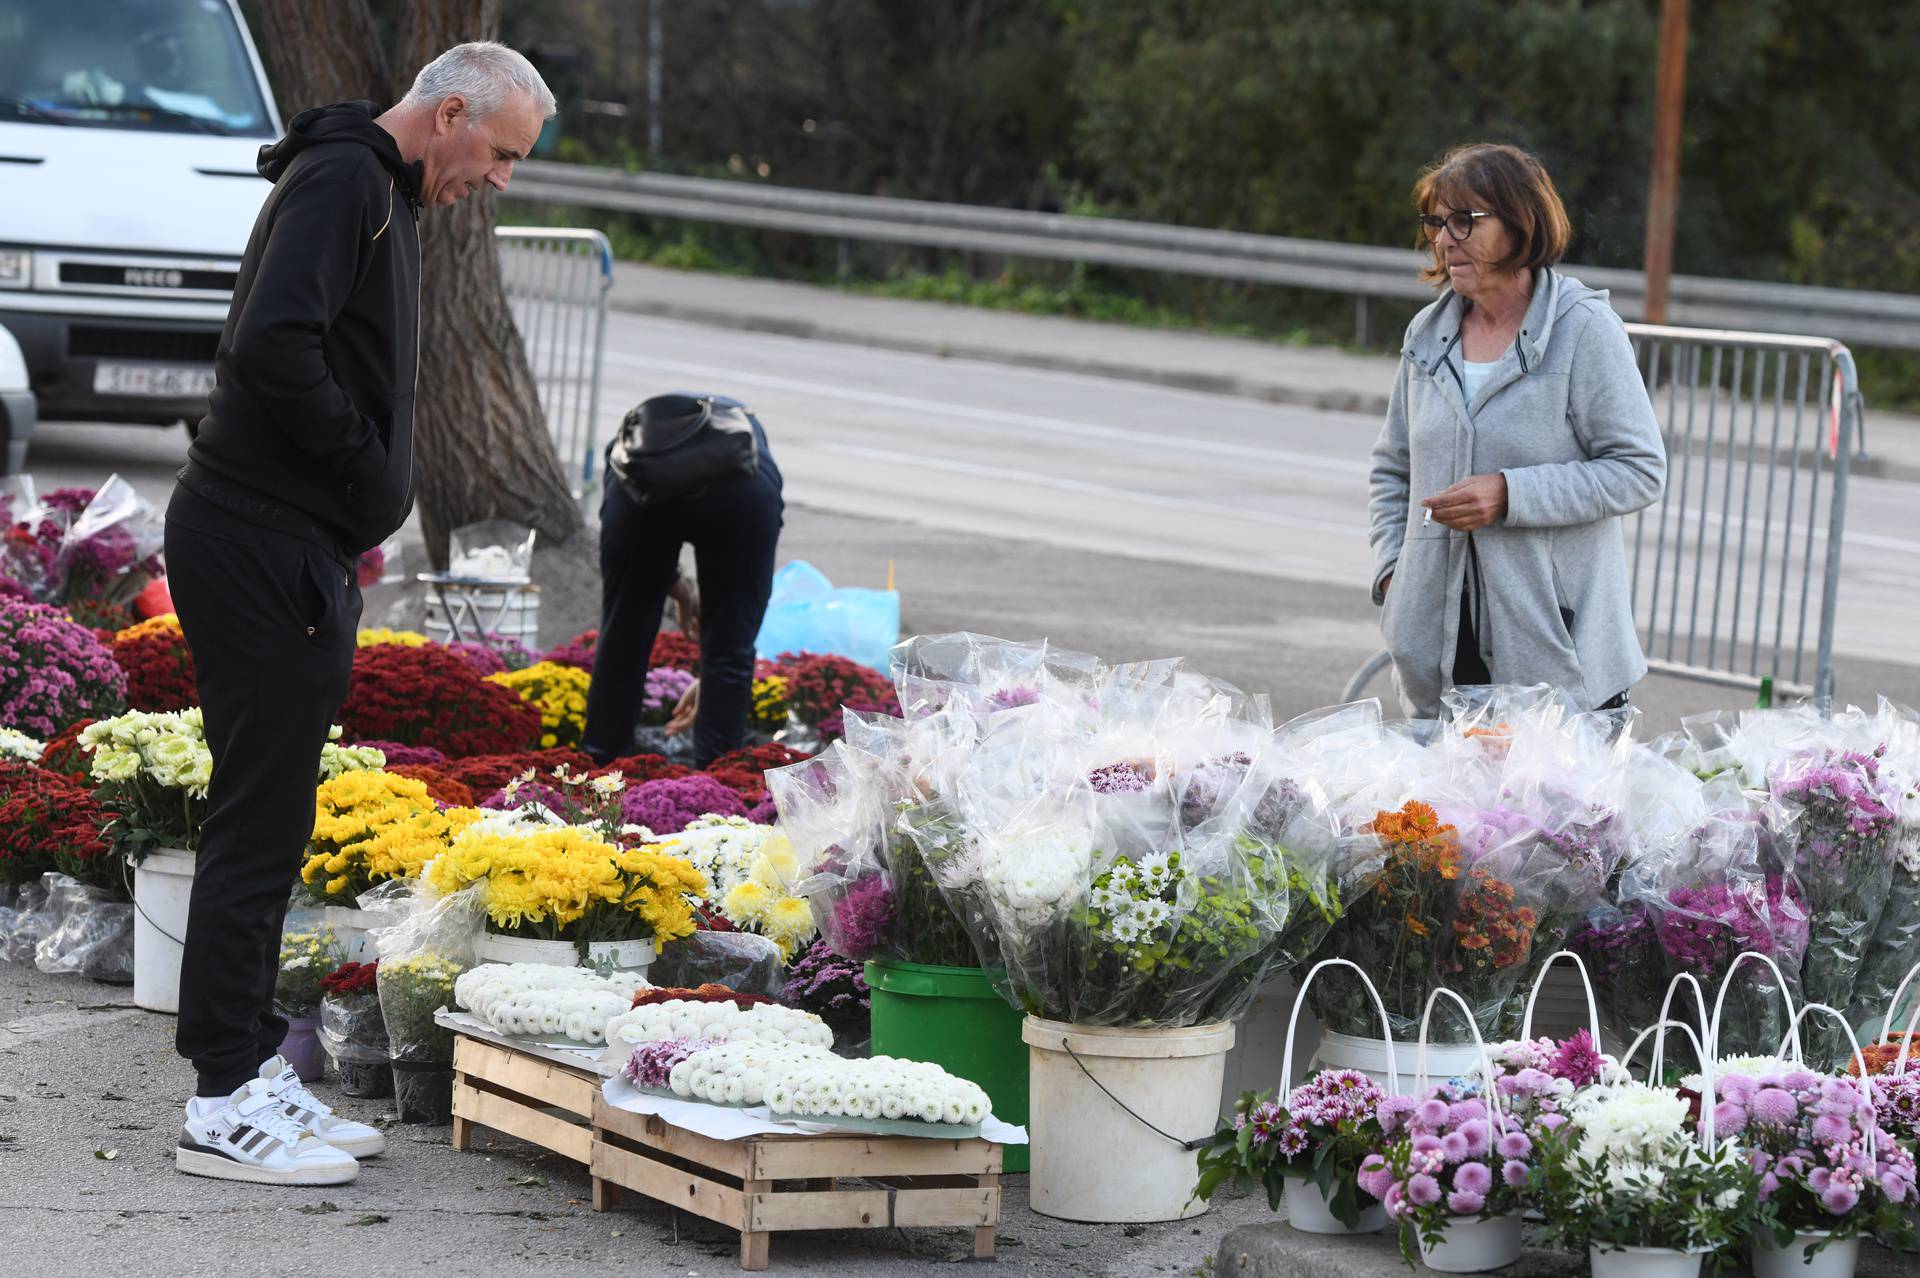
(1486, 1061)
(1726, 983)
(1893, 1006)
(1586, 985)
(1859, 1059)
(1657, 1066)
(1906, 1042)
(1300, 1001)
(1658, 1032)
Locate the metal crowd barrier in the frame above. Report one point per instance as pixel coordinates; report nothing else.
(556, 282)
(1736, 569)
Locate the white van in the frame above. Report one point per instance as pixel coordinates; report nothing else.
(128, 136)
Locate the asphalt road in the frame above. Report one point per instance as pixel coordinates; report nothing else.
(1127, 519)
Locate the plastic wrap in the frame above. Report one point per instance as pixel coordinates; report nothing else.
(23, 923)
(1844, 825)
(352, 1028)
(1710, 900)
(741, 961)
(1281, 829)
(1895, 946)
(89, 932)
(494, 549)
(108, 553)
(421, 955)
(833, 812)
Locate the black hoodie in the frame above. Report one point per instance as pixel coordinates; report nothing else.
(311, 421)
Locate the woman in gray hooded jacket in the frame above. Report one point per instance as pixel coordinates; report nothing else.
(1518, 434)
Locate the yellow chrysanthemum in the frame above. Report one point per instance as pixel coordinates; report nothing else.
(747, 903)
(558, 692)
(372, 636)
(165, 623)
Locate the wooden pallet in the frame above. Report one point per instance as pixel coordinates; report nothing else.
(540, 1101)
(763, 1184)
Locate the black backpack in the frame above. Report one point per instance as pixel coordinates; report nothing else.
(674, 446)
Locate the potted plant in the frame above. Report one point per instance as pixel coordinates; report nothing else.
(307, 955)
(353, 1032)
(1454, 1174)
(1629, 1182)
(560, 894)
(412, 988)
(151, 771)
(1827, 1172)
(1317, 1139)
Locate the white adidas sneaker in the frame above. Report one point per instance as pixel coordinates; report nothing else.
(316, 1116)
(248, 1136)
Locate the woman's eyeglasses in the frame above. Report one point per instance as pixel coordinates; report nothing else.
(1459, 222)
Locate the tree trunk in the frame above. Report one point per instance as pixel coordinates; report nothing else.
(480, 436)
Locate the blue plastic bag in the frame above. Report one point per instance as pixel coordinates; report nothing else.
(808, 613)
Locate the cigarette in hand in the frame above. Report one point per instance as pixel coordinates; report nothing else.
(1426, 518)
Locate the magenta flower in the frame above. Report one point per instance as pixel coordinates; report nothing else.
(1462, 1203)
(1394, 1110)
(1515, 1173)
(1839, 1198)
(1432, 1112)
(1423, 1190)
(1454, 1146)
(1828, 1130)
(1728, 1117)
(861, 918)
(1577, 1060)
(1514, 1144)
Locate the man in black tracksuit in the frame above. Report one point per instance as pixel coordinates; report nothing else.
(304, 462)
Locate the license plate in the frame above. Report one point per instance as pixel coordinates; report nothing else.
(159, 381)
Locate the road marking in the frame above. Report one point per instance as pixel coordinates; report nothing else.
(977, 470)
(1156, 443)
(29, 1029)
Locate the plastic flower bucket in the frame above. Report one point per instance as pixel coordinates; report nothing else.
(162, 887)
(953, 1018)
(1475, 1245)
(1644, 1262)
(626, 956)
(1309, 1212)
(1837, 1260)
(1369, 1056)
(1095, 1090)
(301, 1047)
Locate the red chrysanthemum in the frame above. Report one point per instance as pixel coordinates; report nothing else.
(637, 769)
(429, 696)
(819, 684)
(159, 670)
(49, 823)
(64, 757)
(671, 648)
(486, 773)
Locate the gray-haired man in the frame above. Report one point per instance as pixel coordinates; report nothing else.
(304, 462)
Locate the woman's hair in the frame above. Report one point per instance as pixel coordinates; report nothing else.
(1495, 178)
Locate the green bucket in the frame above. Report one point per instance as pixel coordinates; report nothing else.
(952, 1017)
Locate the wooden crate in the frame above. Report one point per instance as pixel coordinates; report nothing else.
(540, 1101)
(764, 1184)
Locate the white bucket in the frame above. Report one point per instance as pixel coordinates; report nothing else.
(1836, 1260)
(1369, 1056)
(1309, 1212)
(353, 930)
(513, 613)
(162, 889)
(1092, 1160)
(1474, 1245)
(626, 956)
(1644, 1262)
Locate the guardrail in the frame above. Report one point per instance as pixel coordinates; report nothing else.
(1365, 272)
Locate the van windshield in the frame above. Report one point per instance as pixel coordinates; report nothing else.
(173, 66)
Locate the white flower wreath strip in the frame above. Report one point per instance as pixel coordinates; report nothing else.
(531, 1000)
(796, 1081)
(721, 1022)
